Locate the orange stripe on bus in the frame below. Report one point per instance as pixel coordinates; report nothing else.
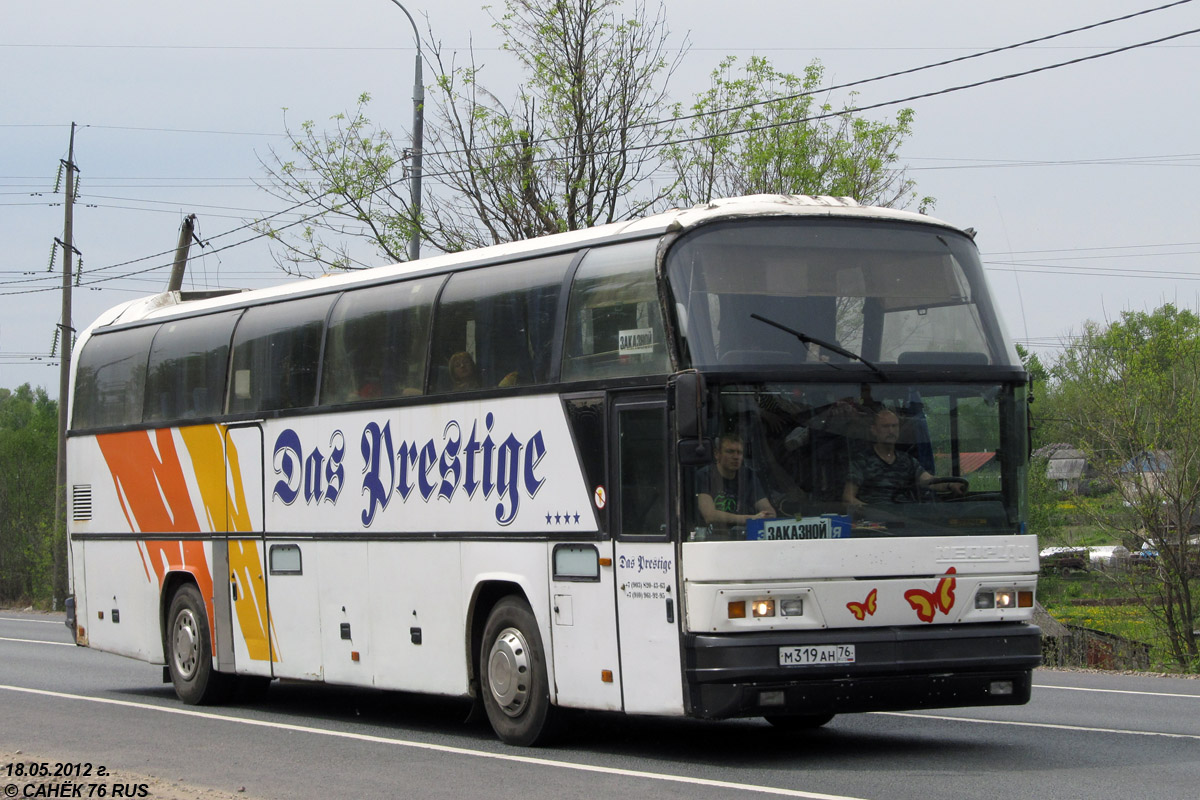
(151, 482)
(224, 504)
(153, 493)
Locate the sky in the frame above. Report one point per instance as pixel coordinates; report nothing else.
(1077, 178)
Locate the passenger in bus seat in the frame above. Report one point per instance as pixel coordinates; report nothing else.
(369, 389)
(881, 472)
(818, 448)
(729, 493)
(463, 373)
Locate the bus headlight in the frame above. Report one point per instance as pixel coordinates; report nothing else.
(759, 607)
(1003, 598)
(791, 607)
(766, 607)
(763, 608)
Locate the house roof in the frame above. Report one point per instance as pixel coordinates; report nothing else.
(1058, 450)
(969, 462)
(1060, 469)
(1148, 461)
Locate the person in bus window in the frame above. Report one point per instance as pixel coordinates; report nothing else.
(463, 374)
(881, 472)
(728, 493)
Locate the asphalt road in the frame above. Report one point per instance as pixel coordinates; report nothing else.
(1083, 735)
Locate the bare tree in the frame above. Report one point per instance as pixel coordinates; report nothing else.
(577, 146)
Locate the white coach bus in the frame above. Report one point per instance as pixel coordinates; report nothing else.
(619, 469)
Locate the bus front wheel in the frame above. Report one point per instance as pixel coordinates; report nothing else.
(515, 685)
(189, 651)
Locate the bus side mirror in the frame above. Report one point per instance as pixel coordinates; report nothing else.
(689, 397)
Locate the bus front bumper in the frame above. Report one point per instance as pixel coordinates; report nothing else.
(895, 669)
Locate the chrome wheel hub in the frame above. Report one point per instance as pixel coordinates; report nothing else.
(508, 673)
(186, 649)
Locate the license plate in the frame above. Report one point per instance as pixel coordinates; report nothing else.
(815, 656)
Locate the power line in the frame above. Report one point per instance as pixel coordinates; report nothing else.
(1132, 161)
(1100, 272)
(1033, 262)
(815, 117)
(936, 93)
(830, 114)
(184, 130)
(913, 70)
(109, 278)
(842, 112)
(1087, 249)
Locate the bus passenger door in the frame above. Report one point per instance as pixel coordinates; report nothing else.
(583, 618)
(245, 585)
(644, 564)
(291, 568)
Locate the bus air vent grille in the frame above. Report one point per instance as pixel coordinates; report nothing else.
(81, 502)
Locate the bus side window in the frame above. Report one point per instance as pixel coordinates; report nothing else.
(496, 324)
(376, 343)
(642, 465)
(275, 353)
(187, 357)
(110, 381)
(614, 322)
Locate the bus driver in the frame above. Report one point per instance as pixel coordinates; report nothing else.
(728, 493)
(881, 472)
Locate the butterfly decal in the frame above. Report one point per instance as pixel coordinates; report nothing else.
(927, 604)
(866, 608)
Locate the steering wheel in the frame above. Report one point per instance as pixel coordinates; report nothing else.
(944, 495)
(912, 494)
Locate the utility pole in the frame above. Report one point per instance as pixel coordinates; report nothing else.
(181, 253)
(66, 340)
(418, 143)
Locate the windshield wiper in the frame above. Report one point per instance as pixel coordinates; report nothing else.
(830, 346)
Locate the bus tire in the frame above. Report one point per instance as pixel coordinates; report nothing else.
(515, 685)
(189, 651)
(798, 722)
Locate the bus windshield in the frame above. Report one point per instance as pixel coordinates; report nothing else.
(834, 460)
(894, 293)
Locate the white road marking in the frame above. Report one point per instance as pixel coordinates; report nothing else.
(460, 751)
(1116, 691)
(39, 621)
(1049, 725)
(35, 641)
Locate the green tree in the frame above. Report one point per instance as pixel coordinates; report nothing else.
(762, 131)
(345, 179)
(1033, 365)
(1129, 393)
(1046, 429)
(28, 454)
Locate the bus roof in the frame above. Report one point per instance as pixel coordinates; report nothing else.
(169, 304)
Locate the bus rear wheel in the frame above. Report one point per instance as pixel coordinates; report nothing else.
(189, 651)
(515, 684)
